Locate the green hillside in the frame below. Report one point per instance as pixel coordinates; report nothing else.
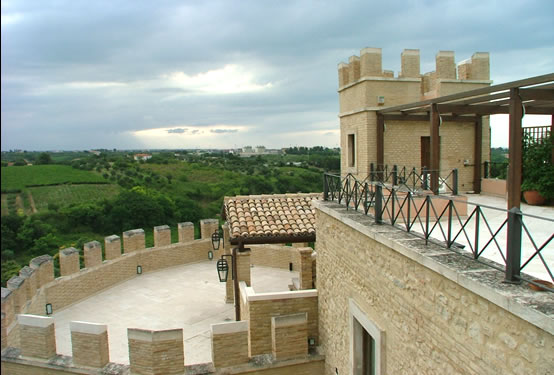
(17, 178)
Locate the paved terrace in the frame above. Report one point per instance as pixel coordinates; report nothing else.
(188, 297)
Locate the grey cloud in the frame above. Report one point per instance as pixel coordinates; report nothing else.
(177, 130)
(220, 131)
(295, 45)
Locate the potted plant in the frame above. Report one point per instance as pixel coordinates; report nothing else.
(538, 170)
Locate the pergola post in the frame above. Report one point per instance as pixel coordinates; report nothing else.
(380, 145)
(478, 151)
(515, 149)
(435, 148)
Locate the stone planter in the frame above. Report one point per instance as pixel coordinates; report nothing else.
(533, 197)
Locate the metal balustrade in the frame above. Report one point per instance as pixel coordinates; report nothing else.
(437, 219)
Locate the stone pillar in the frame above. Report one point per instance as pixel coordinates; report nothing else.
(289, 336)
(354, 63)
(208, 227)
(89, 342)
(133, 240)
(92, 253)
(305, 268)
(410, 63)
(162, 235)
(37, 335)
(230, 343)
(156, 352)
(446, 66)
(30, 284)
(480, 66)
(186, 231)
(112, 247)
(69, 261)
(371, 62)
(227, 249)
(44, 266)
(344, 77)
(8, 307)
(4, 333)
(19, 296)
(243, 267)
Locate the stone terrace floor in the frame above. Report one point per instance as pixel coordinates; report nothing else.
(189, 297)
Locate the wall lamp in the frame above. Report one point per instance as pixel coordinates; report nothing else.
(139, 270)
(49, 309)
(210, 254)
(216, 239)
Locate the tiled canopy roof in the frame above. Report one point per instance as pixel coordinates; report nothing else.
(271, 217)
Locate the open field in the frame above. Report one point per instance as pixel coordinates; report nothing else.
(63, 195)
(17, 178)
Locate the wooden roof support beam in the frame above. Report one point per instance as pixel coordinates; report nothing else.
(435, 148)
(515, 147)
(536, 94)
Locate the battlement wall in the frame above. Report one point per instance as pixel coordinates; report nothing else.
(36, 287)
(289, 317)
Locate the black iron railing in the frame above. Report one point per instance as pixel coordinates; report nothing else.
(414, 179)
(463, 227)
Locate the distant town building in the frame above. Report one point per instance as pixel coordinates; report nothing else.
(143, 157)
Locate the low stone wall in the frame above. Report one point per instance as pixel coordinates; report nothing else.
(275, 256)
(494, 186)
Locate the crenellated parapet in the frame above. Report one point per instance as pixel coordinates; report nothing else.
(36, 285)
(369, 66)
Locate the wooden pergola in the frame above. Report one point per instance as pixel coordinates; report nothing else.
(533, 95)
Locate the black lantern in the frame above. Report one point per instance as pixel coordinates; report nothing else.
(210, 254)
(215, 240)
(222, 269)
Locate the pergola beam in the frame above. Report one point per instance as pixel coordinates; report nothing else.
(536, 94)
(435, 148)
(515, 147)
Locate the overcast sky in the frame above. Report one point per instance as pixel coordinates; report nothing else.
(224, 74)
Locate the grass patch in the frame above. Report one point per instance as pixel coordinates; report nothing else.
(63, 195)
(17, 178)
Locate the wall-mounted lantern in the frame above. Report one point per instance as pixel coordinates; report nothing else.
(210, 254)
(139, 270)
(215, 239)
(223, 269)
(49, 309)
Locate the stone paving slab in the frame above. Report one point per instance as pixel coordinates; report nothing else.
(189, 297)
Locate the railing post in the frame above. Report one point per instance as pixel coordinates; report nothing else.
(513, 256)
(449, 241)
(378, 204)
(393, 198)
(371, 169)
(455, 181)
(325, 187)
(394, 175)
(427, 214)
(486, 169)
(424, 177)
(409, 226)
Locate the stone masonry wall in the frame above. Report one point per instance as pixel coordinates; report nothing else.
(261, 312)
(431, 324)
(275, 256)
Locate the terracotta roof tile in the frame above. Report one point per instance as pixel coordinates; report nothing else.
(271, 215)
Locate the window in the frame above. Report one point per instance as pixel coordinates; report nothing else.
(351, 150)
(364, 351)
(366, 340)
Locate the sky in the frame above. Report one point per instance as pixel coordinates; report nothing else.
(79, 75)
